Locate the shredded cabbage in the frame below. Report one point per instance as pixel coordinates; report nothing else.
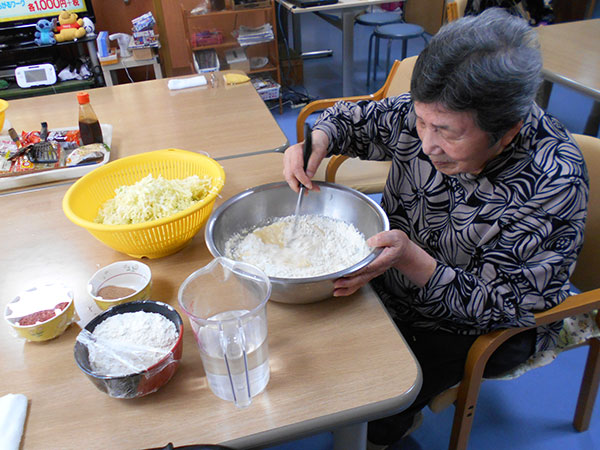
(153, 198)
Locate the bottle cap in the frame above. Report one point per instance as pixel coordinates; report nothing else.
(83, 97)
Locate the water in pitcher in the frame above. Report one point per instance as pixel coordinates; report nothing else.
(257, 354)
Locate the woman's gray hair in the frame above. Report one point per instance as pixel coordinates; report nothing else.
(487, 64)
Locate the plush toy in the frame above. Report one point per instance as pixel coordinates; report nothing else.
(45, 32)
(88, 25)
(69, 28)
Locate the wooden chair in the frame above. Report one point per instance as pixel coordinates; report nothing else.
(365, 176)
(455, 10)
(584, 278)
(368, 179)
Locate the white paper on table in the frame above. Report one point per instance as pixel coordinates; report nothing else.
(183, 83)
(13, 410)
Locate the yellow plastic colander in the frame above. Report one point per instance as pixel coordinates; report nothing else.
(152, 239)
(3, 108)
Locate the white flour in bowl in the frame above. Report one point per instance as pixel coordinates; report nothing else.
(131, 342)
(321, 245)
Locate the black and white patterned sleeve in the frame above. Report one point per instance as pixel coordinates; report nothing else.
(365, 129)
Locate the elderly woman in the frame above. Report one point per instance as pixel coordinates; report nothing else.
(486, 197)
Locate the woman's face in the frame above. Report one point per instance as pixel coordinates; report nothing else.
(452, 140)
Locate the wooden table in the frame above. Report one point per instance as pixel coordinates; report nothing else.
(334, 364)
(109, 70)
(225, 121)
(571, 58)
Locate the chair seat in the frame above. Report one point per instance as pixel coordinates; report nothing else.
(576, 331)
(399, 31)
(378, 18)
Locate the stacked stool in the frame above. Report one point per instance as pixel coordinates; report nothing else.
(376, 19)
(403, 31)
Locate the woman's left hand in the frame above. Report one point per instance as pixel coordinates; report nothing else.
(399, 252)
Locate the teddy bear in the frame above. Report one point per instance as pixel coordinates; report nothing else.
(69, 28)
(45, 32)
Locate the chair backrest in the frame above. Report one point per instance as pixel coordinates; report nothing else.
(586, 276)
(399, 81)
(455, 10)
(369, 177)
(427, 13)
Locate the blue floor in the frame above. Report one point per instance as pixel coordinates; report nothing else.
(535, 411)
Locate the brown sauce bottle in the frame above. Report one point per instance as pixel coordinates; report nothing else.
(89, 126)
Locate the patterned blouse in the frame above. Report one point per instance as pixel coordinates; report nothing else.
(505, 240)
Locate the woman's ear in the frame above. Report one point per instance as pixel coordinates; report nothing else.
(510, 134)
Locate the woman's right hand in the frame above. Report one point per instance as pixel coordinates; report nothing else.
(293, 161)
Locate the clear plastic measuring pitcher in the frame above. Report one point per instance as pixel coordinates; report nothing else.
(226, 304)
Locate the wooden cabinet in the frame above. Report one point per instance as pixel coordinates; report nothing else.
(230, 20)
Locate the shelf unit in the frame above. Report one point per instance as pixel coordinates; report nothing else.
(31, 53)
(229, 20)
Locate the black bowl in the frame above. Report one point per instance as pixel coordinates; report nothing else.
(144, 382)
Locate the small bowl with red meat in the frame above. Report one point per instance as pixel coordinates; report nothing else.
(120, 282)
(41, 313)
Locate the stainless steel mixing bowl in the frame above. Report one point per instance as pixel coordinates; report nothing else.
(256, 206)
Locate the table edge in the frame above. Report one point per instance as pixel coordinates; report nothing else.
(347, 417)
(332, 421)
(293, 9)
(69, 181)
(556, 78)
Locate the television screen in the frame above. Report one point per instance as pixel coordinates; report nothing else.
(29, 11)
